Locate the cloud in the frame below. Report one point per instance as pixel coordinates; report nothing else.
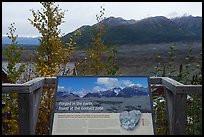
(97, 89)
(126, 83)
(64, 89)
(139, 85)
(82, 92)
(60, 87)
(173, 14)
(108, 82)
(112, 83)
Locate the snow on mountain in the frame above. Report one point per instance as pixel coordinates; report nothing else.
(120, 92)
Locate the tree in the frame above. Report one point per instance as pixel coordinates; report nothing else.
(68, 52)
(51, 50)
(12, 54)
(52, 55)
(100, 59)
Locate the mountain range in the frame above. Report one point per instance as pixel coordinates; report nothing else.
(25, 41)
(149, 30)
(120, 31)
(114, 92)
(66, 94)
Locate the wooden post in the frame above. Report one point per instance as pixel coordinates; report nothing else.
(28, 111)
(37, 100)
(176, 106)
(180, 113)
(26, 115)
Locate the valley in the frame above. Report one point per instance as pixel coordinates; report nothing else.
(139, 59)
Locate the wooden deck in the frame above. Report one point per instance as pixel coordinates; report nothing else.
(31, 91)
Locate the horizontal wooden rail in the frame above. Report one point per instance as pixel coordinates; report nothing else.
(189, 89)
(27, 87)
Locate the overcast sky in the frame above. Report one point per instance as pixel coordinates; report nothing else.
(84, 13)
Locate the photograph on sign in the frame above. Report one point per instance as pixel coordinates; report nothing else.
(102, 105)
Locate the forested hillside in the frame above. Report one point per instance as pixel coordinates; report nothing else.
(149, 30)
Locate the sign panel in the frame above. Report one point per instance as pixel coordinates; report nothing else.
(102, 105)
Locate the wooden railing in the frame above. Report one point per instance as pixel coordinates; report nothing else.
(31, 91)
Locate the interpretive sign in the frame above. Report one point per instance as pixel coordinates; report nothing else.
(102, 105)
